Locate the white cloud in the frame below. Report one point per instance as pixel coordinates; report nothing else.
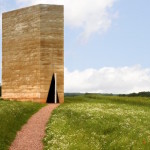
(90, 16)
(108, 80)
(1, 9)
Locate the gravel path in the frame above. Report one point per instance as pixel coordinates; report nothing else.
(31, 135)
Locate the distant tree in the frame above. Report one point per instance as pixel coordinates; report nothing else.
(142, 94)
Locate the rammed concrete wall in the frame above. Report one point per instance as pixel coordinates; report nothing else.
(32, 50)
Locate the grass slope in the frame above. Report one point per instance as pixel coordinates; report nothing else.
(12, 116)
(95, 122)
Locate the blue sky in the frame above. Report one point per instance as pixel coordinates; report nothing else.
(126, 43)
(114, 46)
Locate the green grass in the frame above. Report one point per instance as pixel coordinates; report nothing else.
(95, 122)
(12, 116)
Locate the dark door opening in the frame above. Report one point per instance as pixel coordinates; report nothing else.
(51, 93)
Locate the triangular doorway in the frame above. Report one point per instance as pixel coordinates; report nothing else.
(51, 93)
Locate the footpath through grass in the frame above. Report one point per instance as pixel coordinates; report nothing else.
(95, 122)
(12, 116)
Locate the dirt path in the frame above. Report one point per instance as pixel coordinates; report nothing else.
(31, 135)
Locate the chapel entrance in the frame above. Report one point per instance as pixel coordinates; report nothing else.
(52, 94)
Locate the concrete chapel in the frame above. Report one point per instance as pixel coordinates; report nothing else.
(33, 54)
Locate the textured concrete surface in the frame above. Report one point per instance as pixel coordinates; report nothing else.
(32, 50)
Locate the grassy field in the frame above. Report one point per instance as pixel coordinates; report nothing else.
(12, 116)
(93, 122)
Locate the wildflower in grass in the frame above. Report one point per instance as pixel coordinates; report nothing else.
(103, 124)
(144, 142)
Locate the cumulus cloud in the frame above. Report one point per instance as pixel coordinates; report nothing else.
(108, 80)
(89, 16)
